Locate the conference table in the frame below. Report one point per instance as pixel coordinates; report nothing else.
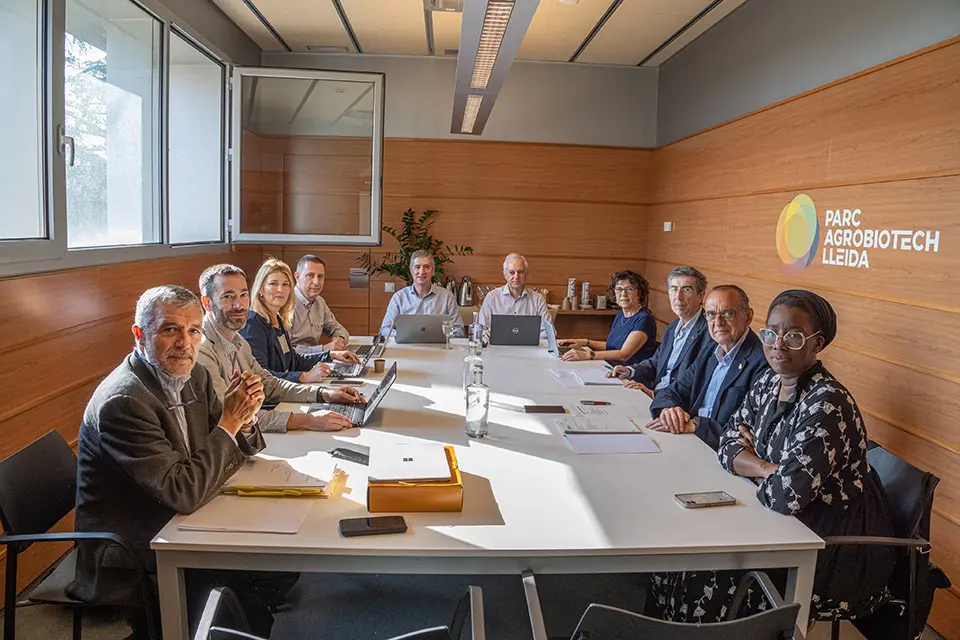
(530, 503)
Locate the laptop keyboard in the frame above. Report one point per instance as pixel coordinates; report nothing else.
(345, 368)
(352, 411)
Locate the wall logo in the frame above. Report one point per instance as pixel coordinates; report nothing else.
(798, 233)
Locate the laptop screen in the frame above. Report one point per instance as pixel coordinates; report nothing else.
(380, 391)
(551, 337)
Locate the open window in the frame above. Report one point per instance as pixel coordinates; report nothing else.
(306, 154)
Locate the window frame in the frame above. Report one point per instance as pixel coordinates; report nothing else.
(373, 239)
(27, 256)
(225, 70)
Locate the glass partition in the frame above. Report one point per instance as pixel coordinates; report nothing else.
(307, 156)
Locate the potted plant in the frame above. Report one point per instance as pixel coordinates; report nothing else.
(414, 235)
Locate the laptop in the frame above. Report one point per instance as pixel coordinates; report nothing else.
(408, 463)
(359, 414)
(552, 346)
(420, 328)
(350, 369)
(515, 330)
(374, 350)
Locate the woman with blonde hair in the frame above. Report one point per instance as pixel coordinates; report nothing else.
(268, 328)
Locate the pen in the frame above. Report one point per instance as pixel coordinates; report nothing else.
(608, 366)
(594, 403)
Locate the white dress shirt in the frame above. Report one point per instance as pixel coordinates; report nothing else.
(437, 302)
(500, 302)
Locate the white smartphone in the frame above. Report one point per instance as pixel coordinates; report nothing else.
(705, 499)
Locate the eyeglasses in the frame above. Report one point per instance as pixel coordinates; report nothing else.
(686, 290)
(726, 314)
(184, 403)
(623, 290)
(793, 340)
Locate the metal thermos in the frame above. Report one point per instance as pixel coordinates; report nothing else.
(466, 292)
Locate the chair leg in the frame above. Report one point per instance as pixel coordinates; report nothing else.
(77, 623)
(10, 596)
(835, 630)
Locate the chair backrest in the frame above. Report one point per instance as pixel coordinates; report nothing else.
(223, 617)
(601, 622)
(38, 486)
(909, 492)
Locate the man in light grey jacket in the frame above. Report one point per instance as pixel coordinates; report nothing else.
(223, 352)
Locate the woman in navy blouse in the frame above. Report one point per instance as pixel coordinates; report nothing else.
(267, 329)
(633, 335)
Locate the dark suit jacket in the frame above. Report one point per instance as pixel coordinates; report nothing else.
(262, 337)
(135, 471)
(689, 389)
(649, 372)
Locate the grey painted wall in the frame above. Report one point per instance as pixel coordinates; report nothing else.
(769, 50)
(203, 21)
(540, 102)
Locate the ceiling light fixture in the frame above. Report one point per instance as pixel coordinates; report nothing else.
(491, 37)
(470, 113)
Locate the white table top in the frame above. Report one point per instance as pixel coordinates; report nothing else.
(525, 492)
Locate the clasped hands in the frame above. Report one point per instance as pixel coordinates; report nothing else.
(578, 349)
(672, 420)
(241, 401)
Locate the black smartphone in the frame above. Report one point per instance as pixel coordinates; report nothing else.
(543, 408)
(351, 455)
(375, 526)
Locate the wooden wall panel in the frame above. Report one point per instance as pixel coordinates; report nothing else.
(884, 141)
(896, 122)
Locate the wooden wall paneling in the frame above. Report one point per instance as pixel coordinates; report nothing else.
(62, 413)
(943, 616)
(517, 171)
(896, 122)
(325, 214)
(945, 547)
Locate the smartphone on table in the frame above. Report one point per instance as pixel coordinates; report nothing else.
(375, 526)
(705, 499)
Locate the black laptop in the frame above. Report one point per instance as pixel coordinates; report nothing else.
(359, 414)
(515, 330)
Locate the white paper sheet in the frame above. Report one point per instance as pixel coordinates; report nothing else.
(611, 443)
(271, 474)
(595, 424)
(597, 377)
(612, 410)
(567, 378)
(249, 515)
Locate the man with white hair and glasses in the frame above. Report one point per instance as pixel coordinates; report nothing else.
(422, 297)
(514, 298)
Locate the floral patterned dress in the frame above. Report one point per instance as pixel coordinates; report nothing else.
(818, 439)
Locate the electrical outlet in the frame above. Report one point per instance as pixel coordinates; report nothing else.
(668, 226)
(389, 287)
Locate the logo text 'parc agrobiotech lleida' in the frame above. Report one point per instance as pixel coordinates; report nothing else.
(845, 239)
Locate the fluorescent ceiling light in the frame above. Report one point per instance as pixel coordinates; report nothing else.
(491, 36)
(470, 113)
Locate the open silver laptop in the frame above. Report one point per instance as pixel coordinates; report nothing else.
(408, 462)
(420, 328)
(515, 330)
(552, 345)
(359, 414)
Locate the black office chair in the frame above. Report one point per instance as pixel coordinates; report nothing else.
(223, 619)
(38, 487)
(601, 622)
(910, 500)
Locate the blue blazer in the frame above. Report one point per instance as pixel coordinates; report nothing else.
(688, 391)
(649, 372)
(266, 348)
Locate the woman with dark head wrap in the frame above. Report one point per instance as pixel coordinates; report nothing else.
(800, 437)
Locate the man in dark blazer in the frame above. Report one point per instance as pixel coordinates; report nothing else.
(683, 339)
(156, 441)
(703, 398)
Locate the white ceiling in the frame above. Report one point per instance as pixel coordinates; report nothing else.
(636, 31)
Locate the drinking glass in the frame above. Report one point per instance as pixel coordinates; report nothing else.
(447, 327)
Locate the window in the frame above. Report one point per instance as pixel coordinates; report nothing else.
(309, 148)
(22, 173)
(195, 157)
(111, 92)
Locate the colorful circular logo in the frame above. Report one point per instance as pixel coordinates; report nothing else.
(798, 233)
